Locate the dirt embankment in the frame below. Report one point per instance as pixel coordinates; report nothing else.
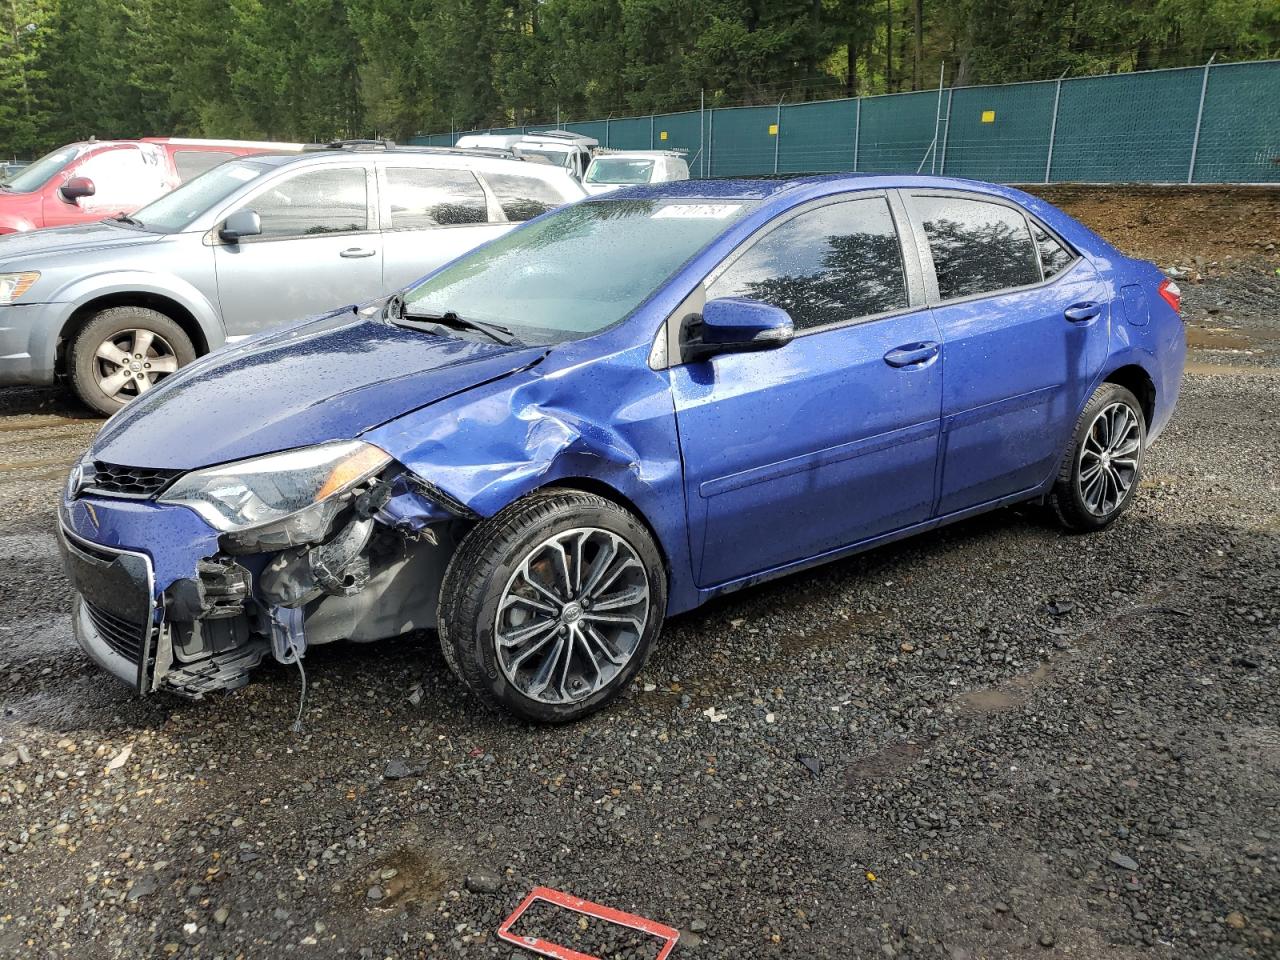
(1202, 227)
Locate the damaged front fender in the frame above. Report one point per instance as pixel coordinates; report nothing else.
(557, 422)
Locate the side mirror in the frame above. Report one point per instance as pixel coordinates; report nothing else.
(737, 325)
(75, 188)
(242, 223)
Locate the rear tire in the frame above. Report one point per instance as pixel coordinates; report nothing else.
(1102, 468)
(549, 608)
(122, 353)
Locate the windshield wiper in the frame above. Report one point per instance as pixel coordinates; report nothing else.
(125, 218)
(395, 310)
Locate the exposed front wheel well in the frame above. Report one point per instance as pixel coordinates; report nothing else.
(172, 309)
(1136, 380)
(601, 489)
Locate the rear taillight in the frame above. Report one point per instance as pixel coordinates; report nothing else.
(1171, 294)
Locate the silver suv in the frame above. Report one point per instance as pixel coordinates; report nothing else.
(254, 243)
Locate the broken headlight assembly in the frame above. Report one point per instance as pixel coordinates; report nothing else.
(279, 500)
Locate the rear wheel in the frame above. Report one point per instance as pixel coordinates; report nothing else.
(549, 609)
(122, 353)
(1100, 474)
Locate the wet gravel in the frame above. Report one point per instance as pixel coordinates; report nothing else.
(995, 740)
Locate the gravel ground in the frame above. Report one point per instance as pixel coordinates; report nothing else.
(995, 740)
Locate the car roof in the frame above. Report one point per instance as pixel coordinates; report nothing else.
(438, 157)
(764, 188)
(192, 143)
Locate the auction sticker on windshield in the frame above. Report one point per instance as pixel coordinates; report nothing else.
(697, 211)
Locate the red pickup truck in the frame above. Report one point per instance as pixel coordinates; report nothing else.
(88, 181)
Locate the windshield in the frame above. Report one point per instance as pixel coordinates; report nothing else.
(577, 270)
(619, 170)
(559, 157)
(174, 211)
(32, 178)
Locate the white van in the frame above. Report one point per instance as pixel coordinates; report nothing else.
(611, 169)
(571, 152)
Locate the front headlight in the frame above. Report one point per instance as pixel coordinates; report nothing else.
(14, 285)
(301, 486)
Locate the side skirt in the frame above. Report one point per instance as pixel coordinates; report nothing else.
(732, 586)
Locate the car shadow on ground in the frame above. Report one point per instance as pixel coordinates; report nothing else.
(411, 669)
(37, 401)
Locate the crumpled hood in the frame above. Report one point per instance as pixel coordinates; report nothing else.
(74, 239)
(326, 379)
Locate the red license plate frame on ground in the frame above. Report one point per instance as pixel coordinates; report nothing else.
(669, 935)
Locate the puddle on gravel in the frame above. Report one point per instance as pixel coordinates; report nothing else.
(994, 700)
(40, 423)
(1226, 338)
(25, 467)
(987, 702)
(1231, 350)
(416, 877)
(886, 761)
(1202, 369)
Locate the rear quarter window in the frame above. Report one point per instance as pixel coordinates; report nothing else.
(522, 197)
(424, 197)
(192, 163)
(1055, 256)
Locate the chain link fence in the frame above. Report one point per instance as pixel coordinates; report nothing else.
(1211, 124)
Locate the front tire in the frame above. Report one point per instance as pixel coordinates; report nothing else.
(1101, 471)
(122, 353)
(549, 609)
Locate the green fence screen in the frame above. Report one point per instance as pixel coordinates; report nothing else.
(1214, 124)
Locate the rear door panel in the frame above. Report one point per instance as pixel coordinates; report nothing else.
(1018, 373)
(429, 217)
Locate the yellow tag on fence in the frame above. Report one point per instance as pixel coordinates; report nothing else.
(988, 116)
(773, 129)
(662, 135)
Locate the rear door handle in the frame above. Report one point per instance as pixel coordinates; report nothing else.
(1082, 312)
(911, 354)
(355, 253)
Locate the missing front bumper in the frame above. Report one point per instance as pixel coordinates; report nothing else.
(202, 617)
(115, 606)
(209, 633)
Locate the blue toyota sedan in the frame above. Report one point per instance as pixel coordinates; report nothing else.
(610, 415)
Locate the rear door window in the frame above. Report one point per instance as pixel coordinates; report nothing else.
(830, 265)
(523, 198)
(420, 198)
(192, 163)
(977, 247)
(317, 202)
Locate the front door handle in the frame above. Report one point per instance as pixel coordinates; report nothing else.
(1083, 312)
(356, 253)
(911, 354)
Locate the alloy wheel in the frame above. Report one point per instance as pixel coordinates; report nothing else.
(129, 363)
(571, 616)
(1109, 458)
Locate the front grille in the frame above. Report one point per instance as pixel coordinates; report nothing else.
(123, 636)
(117, 481)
